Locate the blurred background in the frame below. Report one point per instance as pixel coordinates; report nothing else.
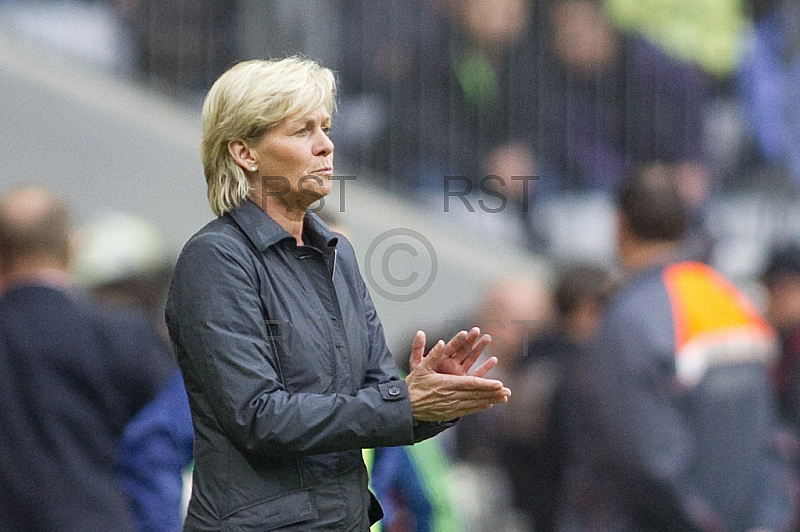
(442, 104)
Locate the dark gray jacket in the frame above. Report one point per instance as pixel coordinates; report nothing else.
(288, 376)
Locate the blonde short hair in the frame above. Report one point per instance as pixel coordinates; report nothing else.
(247, 101)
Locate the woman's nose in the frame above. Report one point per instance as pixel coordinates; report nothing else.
(324, 146)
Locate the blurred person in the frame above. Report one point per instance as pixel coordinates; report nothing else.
(781, 278)
(122, 261)
(767, 77)
(516, 308)
(697, 243)
(707, 33)
(73, 376)
(675, 415)
(155, 456)
(181, 46)
(414, 486)
(376, 62)
(539, 332)
(580, 296)
(503, 203)
(455, 86)
(504, 443)
(282, 353)
(609, 102)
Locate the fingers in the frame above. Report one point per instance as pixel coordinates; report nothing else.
(485, 368)
(460, 346)
(500, 395)
(477, 408)
(417, 349)
(463, 350)
(434, 407)
(477, 351)
(469, 383)
(434, 356)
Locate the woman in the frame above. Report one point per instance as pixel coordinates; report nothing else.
(282, 352)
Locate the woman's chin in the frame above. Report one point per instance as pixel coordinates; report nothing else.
(312, 196)
(323, 189)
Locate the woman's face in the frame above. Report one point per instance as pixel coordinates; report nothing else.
(294, 160)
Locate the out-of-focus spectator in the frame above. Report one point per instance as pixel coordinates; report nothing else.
(768, 78)
(285, 27)
(501, 205)
(123, 262)
(155, 458)
(581, 295)
(539, 410)
(782, 281)
(704, 32)
(181, 46)
(503, 444)
(610, 101)
(676, 416)
(696, 244)
(73, 376)
(454, 85)
(414, 486)
(122, 259)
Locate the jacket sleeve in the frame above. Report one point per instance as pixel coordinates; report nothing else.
(216, 321)
(155, 449)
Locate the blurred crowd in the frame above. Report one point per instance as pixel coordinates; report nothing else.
(501, 109)
(573, 92)
(532, 106)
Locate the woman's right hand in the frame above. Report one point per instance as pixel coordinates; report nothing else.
(438, 396)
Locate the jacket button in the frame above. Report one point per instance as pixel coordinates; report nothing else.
(394, 391)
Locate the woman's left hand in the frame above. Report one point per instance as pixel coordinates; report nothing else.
(460, 353)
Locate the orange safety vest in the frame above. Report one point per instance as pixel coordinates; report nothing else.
(715, 324)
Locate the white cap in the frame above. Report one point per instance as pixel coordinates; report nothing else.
(115, 246)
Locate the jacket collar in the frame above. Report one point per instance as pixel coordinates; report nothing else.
(264, 232)
(317, 234)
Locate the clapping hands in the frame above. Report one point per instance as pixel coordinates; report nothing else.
(439, 384)
(460, 353)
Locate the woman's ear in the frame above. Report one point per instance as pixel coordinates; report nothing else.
(240, 152)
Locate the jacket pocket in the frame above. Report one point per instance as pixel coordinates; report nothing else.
(288, 509)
